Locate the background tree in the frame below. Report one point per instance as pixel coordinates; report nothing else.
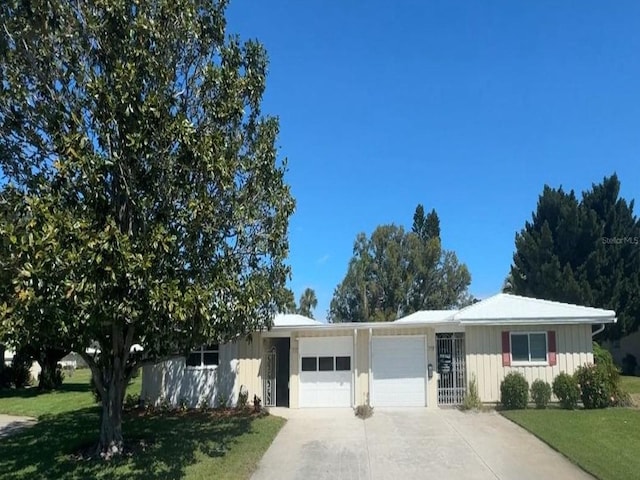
(151, 205)
(582, 251)
(394, 273)
(308, 302)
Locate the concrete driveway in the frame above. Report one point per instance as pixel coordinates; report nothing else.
(408, 443)
(10, 424)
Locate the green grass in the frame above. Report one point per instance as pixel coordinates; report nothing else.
(73, 395)
(630, 384)
(190, 445)
(605, 443)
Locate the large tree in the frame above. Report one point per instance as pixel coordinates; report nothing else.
(395, 273)
(582, 251)
(151, 204)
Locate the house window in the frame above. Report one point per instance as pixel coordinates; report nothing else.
(205, 357)
(529, 347)
(309, 364)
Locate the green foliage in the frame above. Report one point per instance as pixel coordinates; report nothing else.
(203, 404)
(603, 359)
(308, 302)
(243, 398)
(514, 391)
(394, 273)
(132, 401)
(629, 364)
(363, 411)
(472, 398)
(50, 379)
(594, 386)
(540, 393)
(143, 193)
(21, 370)
(94, 390)
(582, 251)
(6, 377)
(566, 390)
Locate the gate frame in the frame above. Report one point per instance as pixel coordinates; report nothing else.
(454, 395)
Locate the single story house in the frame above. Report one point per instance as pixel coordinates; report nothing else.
(425, 359)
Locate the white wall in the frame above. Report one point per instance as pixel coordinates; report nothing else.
(176, 382)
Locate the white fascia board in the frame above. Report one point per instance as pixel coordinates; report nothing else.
(540, 321)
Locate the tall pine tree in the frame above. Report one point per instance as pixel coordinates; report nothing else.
(582, 251)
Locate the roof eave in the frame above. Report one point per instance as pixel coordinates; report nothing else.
(540, 321)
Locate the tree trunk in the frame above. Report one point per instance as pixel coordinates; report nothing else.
(111, 441)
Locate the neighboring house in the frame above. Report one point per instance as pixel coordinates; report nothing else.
(424, 359)
(627, 345)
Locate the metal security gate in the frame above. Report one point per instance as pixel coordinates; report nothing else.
(269, 393)
(451, 367)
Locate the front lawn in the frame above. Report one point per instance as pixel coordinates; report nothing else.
(630, 384)
(605, 442)
(192, 445)
(73, 395)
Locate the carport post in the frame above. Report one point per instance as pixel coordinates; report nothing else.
(370, 383)
(355, 367)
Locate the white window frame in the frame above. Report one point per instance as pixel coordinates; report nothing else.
(202, 350)
(521, 363)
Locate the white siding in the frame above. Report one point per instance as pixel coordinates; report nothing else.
(484, 355)
(173, 381)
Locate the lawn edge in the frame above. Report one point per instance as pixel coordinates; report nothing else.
(573, 461)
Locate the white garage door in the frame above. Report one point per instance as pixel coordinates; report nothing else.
(399, 371)
(325, 371)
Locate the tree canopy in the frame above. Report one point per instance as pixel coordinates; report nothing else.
(394, 273)
(583, 251)
(143, 197)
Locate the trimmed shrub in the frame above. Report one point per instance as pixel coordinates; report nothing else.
(540, 393)
(52, 379)
(243, 398)
(565, 388)
(21, 370)
(514, 391)
(629, 364)
(472, 399)
(6, 377)
(594, 386)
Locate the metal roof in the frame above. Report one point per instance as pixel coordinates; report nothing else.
(506, 308)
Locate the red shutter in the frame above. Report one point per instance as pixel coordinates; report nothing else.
(506, 349)
(551, 346)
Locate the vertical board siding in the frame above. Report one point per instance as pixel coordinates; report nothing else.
(484, 355)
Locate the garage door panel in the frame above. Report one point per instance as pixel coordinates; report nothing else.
(326, 388)
(399, 371)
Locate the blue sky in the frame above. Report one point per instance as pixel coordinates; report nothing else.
(466, 107)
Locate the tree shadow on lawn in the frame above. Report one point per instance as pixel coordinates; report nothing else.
(173, 442)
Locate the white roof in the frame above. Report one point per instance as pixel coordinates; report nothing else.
(293, 320)
(428, 316)
(508, 309)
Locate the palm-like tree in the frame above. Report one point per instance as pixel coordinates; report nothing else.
(308, 301)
